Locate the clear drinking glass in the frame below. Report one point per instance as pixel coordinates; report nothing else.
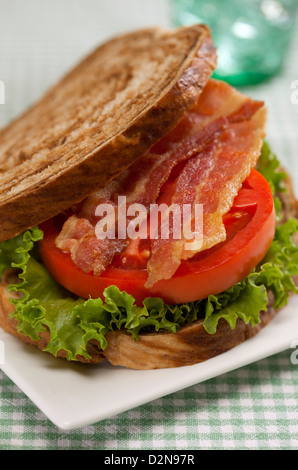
(251, 36)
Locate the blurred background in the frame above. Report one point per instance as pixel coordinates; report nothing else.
(257, 43)
(252, 36)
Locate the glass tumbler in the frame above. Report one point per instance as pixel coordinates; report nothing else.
(252, 36)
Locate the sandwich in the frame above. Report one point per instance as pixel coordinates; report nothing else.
(135, 137)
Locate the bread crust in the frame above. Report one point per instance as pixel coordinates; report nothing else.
(78, 137)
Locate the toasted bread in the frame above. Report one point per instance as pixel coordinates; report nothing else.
(190, 345)
(98, 120)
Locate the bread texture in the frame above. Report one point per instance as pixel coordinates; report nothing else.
(190, 345)
(103, 115)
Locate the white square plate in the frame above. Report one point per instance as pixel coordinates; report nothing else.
(57, 386)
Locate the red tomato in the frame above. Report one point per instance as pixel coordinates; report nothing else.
(250, 227)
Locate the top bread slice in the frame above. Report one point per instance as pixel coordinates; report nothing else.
(103, 115)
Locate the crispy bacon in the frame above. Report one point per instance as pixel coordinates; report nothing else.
(207, 157)
(215, 176)
(73, 230)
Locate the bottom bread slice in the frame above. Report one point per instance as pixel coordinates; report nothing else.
(190, 345)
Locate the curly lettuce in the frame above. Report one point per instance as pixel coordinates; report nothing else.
(72, 321)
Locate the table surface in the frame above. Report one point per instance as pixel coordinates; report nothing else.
(255, 407)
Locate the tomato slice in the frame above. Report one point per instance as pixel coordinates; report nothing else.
(250, 227)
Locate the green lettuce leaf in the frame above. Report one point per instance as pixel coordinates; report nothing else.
(269, 167)
(245, 303)
(73, 321)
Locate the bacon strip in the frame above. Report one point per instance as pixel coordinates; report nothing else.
(211, 152)
(215, 176)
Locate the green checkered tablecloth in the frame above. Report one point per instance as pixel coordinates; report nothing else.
(254, 407)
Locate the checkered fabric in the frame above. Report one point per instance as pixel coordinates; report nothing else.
(255, 407)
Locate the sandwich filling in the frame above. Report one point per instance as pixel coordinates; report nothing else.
(207, 157)
(79, 287)
(203, 162)
(42, 304)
